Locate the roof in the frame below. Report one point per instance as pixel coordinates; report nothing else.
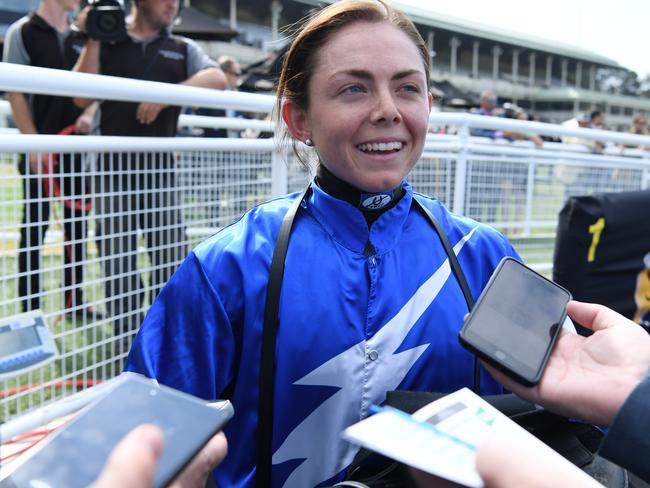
(195, 24)
(437, 20)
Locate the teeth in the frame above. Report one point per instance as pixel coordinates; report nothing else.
(381, 146)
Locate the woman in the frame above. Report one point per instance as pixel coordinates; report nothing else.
(368, 303)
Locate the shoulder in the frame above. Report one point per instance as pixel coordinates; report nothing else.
(185, 42)
(14, 46)
(251, 237)
(14, 31)
(458, 226)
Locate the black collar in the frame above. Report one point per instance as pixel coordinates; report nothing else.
(372, 205)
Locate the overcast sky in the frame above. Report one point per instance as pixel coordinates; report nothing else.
(618, 29)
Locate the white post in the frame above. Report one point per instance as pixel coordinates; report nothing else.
(454, 43)
(460, 181)
(549, 70)
(279, 174)
(276, 10)
(531, 70)
(592, 77)
(496, 52)
(564, 66)
(515, 66)
(579, 74)
(475, 58)
(530, 182)
(233, 14)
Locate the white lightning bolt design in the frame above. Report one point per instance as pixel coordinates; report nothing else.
(317, 439)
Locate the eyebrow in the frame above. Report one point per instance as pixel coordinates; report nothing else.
(366, 75)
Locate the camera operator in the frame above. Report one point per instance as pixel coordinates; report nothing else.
(145, 182)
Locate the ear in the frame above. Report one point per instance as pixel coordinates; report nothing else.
(430, 98)
(296, 119)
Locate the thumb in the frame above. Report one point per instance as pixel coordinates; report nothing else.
(132, 463)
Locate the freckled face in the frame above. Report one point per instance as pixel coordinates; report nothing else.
(368, 105)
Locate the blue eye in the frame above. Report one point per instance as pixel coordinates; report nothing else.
(353, 89)
(411, 88)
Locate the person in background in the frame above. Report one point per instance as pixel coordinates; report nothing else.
(488, 106)
(43, 38)
(639, 127)
(368, 302)
(584, 121)
(138, 191)
(512, 111)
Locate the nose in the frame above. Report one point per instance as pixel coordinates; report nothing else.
(385, 109)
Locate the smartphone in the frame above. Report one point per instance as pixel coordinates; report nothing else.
(75, 455)
(516, 320)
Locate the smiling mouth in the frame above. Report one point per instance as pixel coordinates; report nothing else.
(380, 147)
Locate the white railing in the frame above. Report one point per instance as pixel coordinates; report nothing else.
(515, 187)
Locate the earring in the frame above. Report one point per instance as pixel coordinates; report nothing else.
(309, 142)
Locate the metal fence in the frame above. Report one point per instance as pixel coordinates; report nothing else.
(108, 219)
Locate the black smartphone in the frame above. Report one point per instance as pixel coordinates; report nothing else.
(75, 455)
(516, 320)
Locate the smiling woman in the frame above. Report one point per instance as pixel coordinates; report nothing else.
(367, 302)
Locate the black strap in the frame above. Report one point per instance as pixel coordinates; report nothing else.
(264, 446)
(460, 277)
(449, 250)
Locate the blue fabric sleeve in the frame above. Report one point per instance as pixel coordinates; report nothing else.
(186, 340)
(627, 442)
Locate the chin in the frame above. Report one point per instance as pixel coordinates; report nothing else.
(379, 186)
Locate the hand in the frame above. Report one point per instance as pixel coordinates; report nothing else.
(502, 465)
(132, 464)
(148, 112)
(538, 141)
(83, 123)
(590, 377)
(196, 473)
(35, 166)
(80, 21)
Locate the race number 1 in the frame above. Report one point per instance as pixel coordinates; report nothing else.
(595, 230)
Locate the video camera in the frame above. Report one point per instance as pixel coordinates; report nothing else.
(106, 21)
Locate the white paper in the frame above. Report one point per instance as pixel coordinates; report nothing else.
(442, 437)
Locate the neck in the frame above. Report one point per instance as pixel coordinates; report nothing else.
(141, 27)
(371, 204)
(53, 14)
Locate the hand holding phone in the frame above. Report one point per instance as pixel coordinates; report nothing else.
(75, 455)
(516, 320)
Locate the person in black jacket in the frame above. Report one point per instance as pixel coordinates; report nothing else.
(138, 191)
(43, 38)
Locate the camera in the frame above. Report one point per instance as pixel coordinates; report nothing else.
(106, 21)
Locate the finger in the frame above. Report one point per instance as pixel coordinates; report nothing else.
(197, 471)
(502, 463)
(141, 112)
(594, 316)
(132, 463)
(155, 110)
(526, 392)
